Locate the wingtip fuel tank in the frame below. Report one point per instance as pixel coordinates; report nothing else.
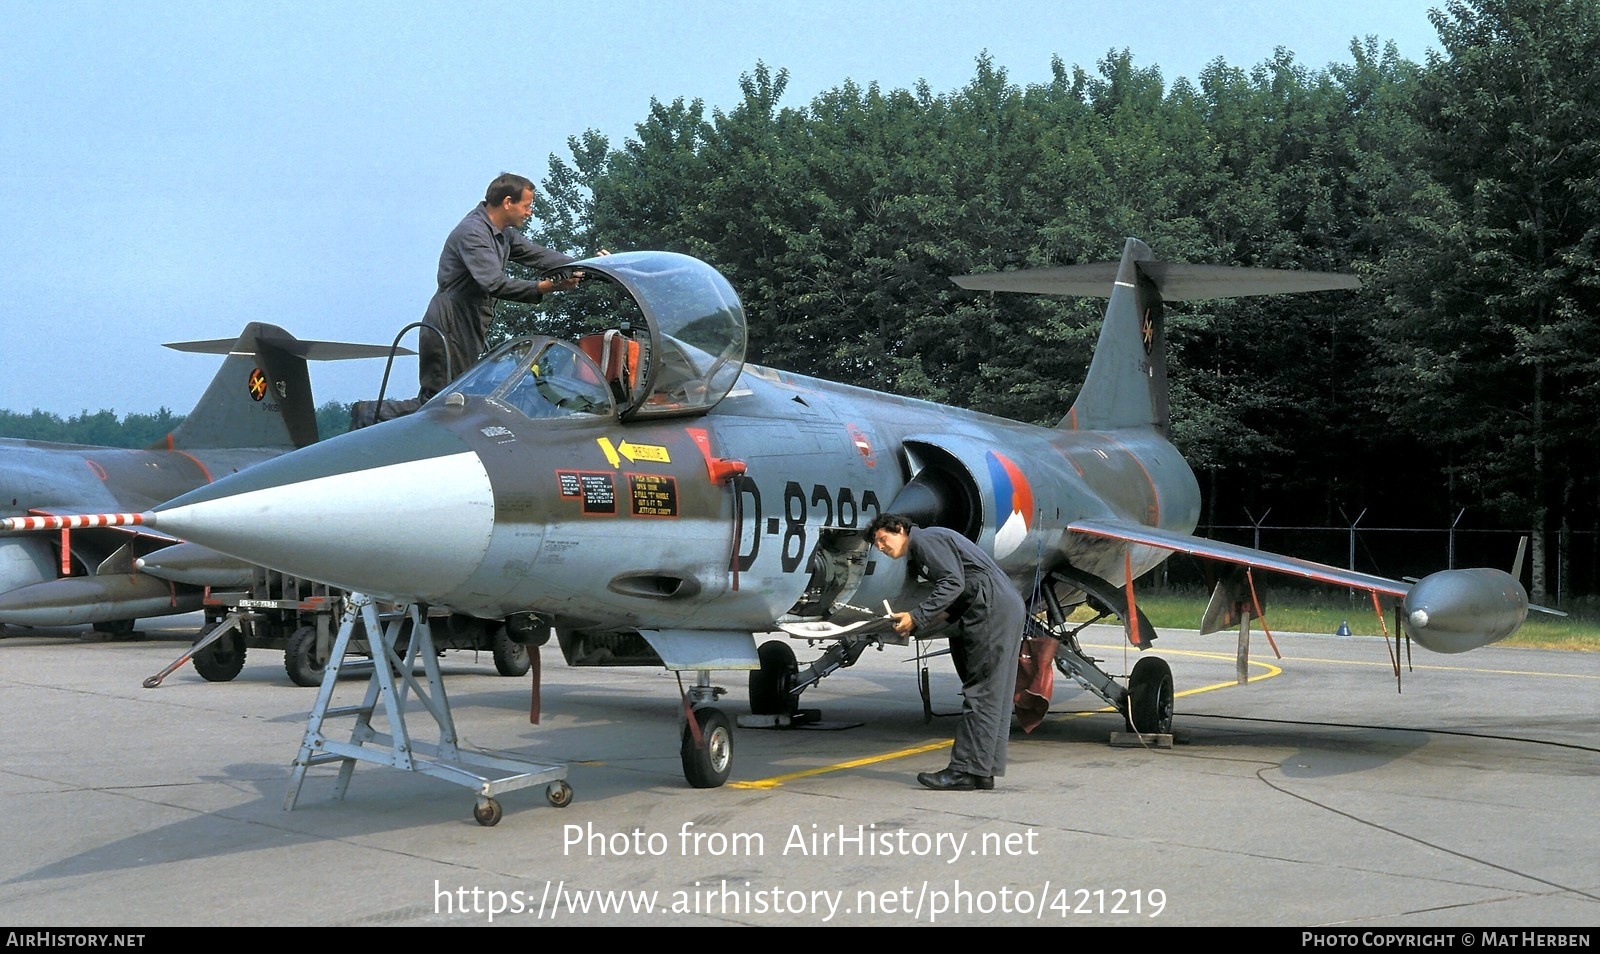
(195, 565)
(95, 599)
(1452, 611)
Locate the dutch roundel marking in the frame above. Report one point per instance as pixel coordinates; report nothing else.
(257, 384)
(1013, 504)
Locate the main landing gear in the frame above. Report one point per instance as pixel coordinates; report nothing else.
(775, 688)
(772, 687)
(1146, 702)
(1148, 710)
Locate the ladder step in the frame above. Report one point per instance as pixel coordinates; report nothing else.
(326, 758)
(336, 711)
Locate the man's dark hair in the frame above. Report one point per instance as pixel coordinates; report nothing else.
(892, 522)
(506, 185)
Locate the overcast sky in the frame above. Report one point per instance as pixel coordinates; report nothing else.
(172, 170)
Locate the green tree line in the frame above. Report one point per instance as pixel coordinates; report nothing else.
(104, 428)
(1463, 191)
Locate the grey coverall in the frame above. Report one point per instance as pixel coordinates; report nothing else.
(472, 275)
(975, 594)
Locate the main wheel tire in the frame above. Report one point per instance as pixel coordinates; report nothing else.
(301, 661)
(771, 685)
(708, 766)
(510, 658)
(223, 659)
(1150, 697)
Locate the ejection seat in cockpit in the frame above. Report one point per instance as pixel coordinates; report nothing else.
(617, 356)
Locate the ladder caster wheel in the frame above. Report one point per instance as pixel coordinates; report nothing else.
(487, 812)
(560, 794)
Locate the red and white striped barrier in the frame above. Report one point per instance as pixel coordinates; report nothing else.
(12, 524)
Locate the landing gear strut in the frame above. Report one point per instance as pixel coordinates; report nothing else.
(1146, 703)
(706, 749)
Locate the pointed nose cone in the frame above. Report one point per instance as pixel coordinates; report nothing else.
(403, 510)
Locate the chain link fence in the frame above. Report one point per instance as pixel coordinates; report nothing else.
(1571, 567)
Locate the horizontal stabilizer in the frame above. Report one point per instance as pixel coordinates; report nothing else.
(261, 397)
(311, 350)
(1175, 282)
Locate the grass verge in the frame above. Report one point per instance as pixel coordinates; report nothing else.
(1306, 613)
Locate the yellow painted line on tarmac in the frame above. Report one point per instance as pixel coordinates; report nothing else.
(1386, 664)
(777, 780)
(1270, 671)
(1383, 663)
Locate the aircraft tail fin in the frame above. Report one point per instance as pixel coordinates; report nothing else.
(261, 397)
(1127, 381)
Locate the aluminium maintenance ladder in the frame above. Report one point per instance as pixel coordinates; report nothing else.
(390, 686)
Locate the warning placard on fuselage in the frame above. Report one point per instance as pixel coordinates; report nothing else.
(653, 495)
(597, 491)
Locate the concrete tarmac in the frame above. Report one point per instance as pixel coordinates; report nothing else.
(1315, 796)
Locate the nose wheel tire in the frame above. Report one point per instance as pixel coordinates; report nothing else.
(707, 765)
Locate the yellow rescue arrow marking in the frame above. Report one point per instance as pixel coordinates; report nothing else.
(638, 452)
(655, 453)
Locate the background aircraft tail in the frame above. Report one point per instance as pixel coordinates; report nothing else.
(1127, 381)
(261, 397)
